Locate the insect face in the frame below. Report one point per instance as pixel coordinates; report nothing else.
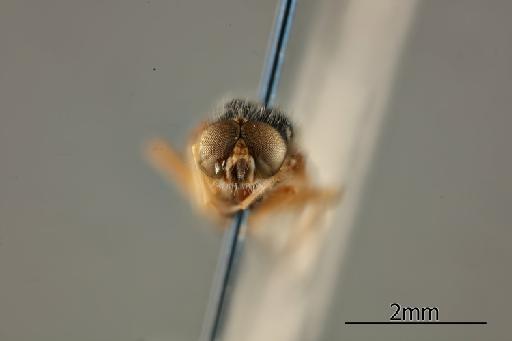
(244, 144)
(239, 151)
(240, 165)
(246, 158)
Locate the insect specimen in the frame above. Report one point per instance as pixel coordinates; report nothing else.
(245, 158)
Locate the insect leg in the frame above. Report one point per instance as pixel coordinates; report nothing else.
(169, 163)
(289, 198)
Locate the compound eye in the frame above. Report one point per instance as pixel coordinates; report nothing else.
(266, 145)
(215, 145)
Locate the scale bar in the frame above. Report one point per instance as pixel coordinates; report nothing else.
(416, 322)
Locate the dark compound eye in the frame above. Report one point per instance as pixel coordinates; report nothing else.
(266, 145)
(215, 145)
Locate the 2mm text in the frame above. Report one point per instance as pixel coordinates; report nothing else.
(414, 313)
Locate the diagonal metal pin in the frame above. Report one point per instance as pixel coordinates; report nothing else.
(234, 237)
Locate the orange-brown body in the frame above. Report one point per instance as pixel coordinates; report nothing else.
(241, 161)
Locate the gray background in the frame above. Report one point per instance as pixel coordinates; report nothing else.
(94, 245)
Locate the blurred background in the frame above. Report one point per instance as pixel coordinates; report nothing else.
(405, 103)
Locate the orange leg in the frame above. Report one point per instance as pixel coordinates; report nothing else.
(289, 198)
(169, 163)
(311, 202)
(163, 157)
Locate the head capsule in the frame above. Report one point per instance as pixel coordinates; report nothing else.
(247, 141)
